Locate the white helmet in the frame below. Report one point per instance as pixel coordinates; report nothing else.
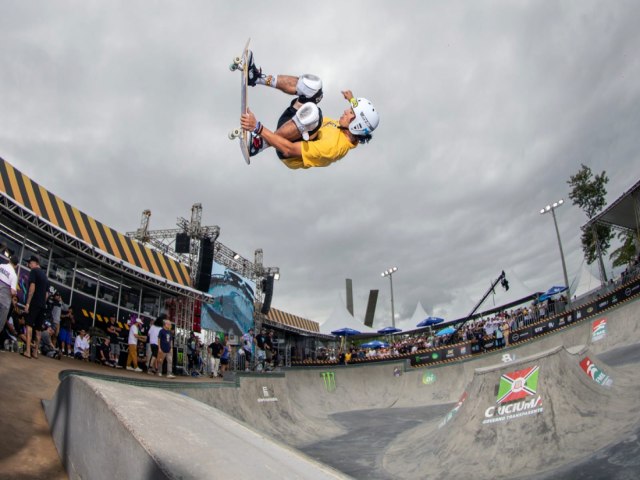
(367, 119)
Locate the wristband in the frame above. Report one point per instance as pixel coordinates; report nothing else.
(353, 102)
(258, 129)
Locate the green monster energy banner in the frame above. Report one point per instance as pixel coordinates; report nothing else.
(438, 354)
(329, 379)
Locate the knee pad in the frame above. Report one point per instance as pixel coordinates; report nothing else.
(309, 88)
(308, 119)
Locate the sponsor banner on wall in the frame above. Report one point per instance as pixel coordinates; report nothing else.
(454, 411)
(268, 396)
(517, 396)
(595, 373)
(439, 354)
(429, 377)
(598, 329)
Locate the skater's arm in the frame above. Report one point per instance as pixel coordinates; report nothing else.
(348, 95)
(289, 149)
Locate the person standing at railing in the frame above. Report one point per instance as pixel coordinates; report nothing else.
(8, 288)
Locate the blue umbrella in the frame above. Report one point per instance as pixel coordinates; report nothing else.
(427, 322)
(445, 331)
(389, 330)
(375, 344)
(551, 292)
(345, 332)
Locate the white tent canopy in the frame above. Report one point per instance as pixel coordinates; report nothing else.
(419, 314)
(341, 318)
(587, 282)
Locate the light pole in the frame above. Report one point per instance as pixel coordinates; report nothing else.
(552, 208)
(389, 273)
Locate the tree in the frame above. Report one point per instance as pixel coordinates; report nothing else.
(626, 253)
(588, 192)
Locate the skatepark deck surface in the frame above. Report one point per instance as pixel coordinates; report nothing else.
(382, 420)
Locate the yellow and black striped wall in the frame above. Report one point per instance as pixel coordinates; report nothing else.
(291, 320)
(56, 211)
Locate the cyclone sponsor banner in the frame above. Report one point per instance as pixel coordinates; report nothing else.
(595, 373)
(438, 354)
(517, 396)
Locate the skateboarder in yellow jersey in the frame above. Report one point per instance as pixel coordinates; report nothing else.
(303, 138)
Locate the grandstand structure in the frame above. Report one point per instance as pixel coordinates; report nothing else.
(101, 272)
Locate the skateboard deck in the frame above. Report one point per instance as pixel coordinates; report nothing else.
(241, 63)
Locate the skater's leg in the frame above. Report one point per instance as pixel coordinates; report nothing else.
(307, 87)
(287, 84)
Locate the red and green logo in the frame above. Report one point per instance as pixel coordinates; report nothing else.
(598, 329)
(518, 384)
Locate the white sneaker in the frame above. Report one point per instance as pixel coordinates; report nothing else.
(171, 376)
(137, 369)
(159, 374)
(130, 368)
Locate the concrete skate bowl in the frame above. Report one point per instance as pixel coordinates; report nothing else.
(381, 420)
(544, 416)
(106, 429)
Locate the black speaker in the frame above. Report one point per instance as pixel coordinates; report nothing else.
(183, 243)
(205, 263)
(267, 288)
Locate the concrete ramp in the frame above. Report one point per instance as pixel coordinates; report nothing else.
(107, 430)
(527, 417)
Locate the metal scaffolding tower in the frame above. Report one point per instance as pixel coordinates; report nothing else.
(164, 241)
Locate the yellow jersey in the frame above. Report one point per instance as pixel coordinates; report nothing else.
(329, 146)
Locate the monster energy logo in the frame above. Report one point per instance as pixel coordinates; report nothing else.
(329, 379)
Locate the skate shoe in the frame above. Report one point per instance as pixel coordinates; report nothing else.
(256, 145)
(253, 72)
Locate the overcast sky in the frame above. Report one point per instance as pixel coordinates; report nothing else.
(487, 108)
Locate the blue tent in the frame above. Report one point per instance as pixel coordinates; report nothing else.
(551, 292)
(389, 330)
(345, 332)
(375, 344)
(445, 331)
(429, 321)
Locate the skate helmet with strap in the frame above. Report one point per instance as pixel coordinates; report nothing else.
(367, 118)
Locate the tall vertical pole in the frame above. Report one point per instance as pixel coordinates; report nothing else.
(564, 265)
(552, 209)
(389, 273)
(393, 315)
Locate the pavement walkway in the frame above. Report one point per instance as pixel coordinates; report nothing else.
(27, 451)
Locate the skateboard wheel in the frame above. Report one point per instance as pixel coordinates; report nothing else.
(237, 132)
(233, 67)
(237, 60)
(231, 137)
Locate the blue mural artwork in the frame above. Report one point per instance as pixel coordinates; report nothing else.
(233, 302)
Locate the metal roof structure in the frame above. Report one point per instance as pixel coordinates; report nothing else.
(623, 213)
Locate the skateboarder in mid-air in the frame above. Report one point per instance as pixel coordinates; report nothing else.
(303, 138)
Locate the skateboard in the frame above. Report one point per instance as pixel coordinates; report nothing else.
(241, 63)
